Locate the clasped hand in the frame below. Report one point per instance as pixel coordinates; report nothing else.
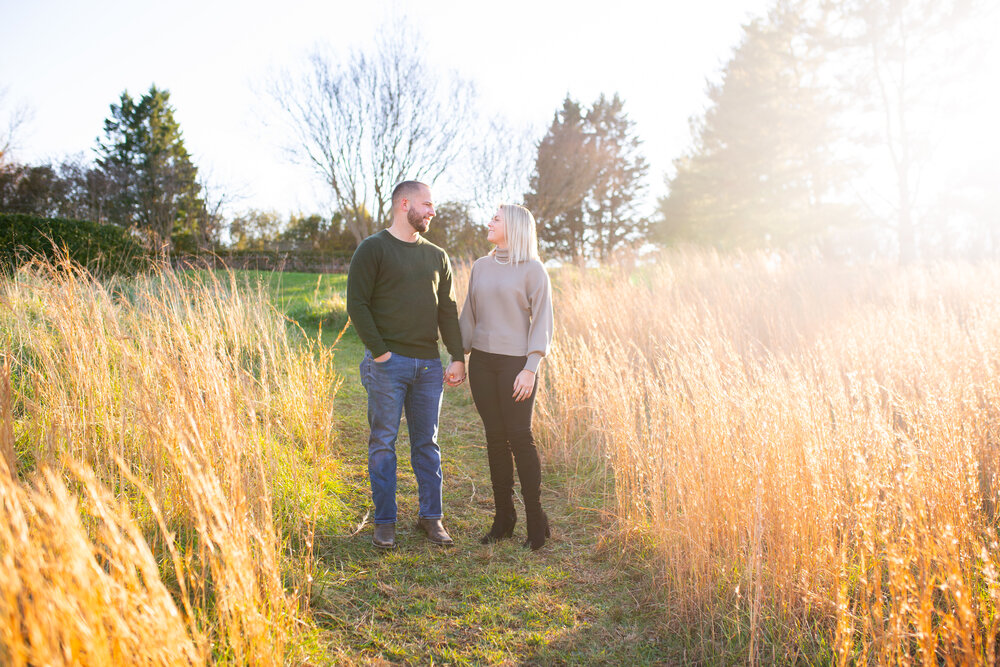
(455, 375)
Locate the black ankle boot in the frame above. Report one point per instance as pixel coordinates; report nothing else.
(538, 529)
(503, 526)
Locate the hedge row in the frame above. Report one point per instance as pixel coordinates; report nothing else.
(305, 261)
(101, 248)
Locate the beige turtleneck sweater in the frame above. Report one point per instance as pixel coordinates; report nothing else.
(508, 309)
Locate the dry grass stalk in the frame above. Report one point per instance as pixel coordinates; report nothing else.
(185, 402)
(814, 449)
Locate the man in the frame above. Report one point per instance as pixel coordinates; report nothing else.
(399, 294)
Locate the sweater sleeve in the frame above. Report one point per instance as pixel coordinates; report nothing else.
(361, 276)
(467, 321)
(540, 329)
(451, 334)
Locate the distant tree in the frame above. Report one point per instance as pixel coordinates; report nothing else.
(88, 191)
(498, 166)
(905, 54)
(612, 203)
(314, 233)
(454, 229)
(34, 190)
(373, 119)
(204, 230)
(761, 171)
(587, 181)
(72, 189)
(565, 170)
(306, 232)
(12, 122)
(155, 183)
(256, 230)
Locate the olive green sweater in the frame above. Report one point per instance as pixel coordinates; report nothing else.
(508, 309)
(400, 294)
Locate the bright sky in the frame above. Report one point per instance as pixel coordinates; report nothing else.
(68, 60)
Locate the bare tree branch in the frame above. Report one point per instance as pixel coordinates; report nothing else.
(380, 116)
(17, 118)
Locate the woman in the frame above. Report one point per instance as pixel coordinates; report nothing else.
(507, 325)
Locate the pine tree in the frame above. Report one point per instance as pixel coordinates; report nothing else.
(587, 181)
(564, 171)
(613, 216)
(155, 182)
(761, 171)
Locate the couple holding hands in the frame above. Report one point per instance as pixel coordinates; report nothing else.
(399, 296)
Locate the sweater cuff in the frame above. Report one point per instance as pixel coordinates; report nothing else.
(533, 360)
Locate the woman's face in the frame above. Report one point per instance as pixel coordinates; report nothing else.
(497, 234)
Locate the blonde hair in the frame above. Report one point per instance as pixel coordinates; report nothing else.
(522, 239)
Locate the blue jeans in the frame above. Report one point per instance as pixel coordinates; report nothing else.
(414, 385)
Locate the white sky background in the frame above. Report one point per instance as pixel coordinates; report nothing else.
(68, 60)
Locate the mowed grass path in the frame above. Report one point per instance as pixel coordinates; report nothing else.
(580, 600)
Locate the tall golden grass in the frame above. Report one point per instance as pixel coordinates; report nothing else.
(811, 449)
(156, 437)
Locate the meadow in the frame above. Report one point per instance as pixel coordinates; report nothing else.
(748, 458)
(810, 449)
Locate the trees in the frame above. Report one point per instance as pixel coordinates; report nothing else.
(12, 126)
(378, 117)
(33, 190)
(906, 54)
(613, 204)
(761, 171)
(587, 181)
(454, 229)
(255, 230)
(72, 189)
(565, 169)
(314, 233)
(497, 167)
(154, 182)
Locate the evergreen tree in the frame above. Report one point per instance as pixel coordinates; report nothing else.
(761, 170)
(564, 171)
(587, 181)
(613, 216)
(143, 154)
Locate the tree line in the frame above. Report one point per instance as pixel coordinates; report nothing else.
(785, 155)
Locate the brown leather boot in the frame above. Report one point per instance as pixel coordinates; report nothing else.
(435, 531)
(384, 536)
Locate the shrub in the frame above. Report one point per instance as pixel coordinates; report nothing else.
(101, 248)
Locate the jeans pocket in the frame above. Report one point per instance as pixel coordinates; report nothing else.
(364, 371)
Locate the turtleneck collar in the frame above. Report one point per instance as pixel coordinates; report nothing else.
(502, 255)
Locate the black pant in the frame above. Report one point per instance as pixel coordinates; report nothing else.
(508, 428)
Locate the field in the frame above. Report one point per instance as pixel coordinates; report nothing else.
(745, 458)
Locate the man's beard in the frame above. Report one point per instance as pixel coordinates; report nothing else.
(416, 221)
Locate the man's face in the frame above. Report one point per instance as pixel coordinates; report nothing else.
(421, 209)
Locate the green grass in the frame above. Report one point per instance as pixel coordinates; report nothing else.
(579, 600)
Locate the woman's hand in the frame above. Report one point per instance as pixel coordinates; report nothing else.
(455, 375)
(524, 384)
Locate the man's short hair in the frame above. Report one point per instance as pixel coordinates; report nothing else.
(405, 190)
